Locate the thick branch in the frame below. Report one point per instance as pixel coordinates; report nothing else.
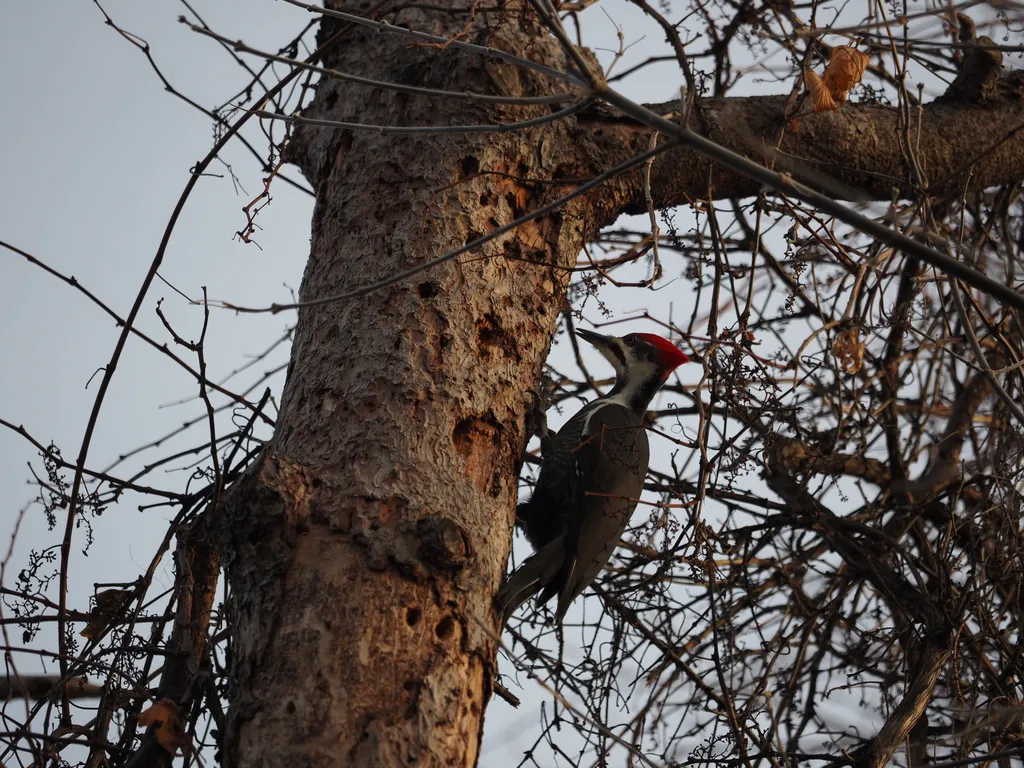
(856, 148)
(41, 686)
(898, 725)
(797, 456)
(197, 572)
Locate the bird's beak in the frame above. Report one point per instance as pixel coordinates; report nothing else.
(608, 346)
(601, 342)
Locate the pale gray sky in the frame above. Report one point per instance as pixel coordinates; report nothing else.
(97, 155)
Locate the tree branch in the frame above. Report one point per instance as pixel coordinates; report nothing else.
(898, 725)
(39, 687)
(857, 148)
(798, 456)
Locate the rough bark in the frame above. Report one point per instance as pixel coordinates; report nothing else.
(364, 549)
(856, 149)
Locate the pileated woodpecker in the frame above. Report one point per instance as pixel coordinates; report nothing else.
(591, 477)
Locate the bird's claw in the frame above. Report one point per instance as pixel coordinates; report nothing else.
(537, 422)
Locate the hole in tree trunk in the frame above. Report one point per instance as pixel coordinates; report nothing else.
(444, 628)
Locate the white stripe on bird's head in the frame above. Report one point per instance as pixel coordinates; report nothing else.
(616, 354)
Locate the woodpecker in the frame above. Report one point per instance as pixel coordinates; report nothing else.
(591, 477)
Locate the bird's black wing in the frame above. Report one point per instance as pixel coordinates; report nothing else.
(607, 479)
(530, 578)
(545, 516)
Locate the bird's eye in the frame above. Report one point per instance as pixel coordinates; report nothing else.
(631, 339)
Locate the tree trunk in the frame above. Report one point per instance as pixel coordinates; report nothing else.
(364, 550)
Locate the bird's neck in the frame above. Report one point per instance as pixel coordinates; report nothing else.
(636, 391)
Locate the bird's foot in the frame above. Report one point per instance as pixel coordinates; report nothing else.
(537, 422)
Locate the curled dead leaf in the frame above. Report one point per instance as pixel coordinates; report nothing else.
(845, 69)
(848, 350)
(108, 607)
(170, 733)
(820, 95)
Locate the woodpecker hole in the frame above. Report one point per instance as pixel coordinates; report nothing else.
(513, 250)
(461, 436)
(514, 202)
(427, 290)
(290, 707)
(444, 628)
(488, 331)
(412, 616)
(469, 165)
(471, 434)
(496, 479)
(493, 339)
(477, 441)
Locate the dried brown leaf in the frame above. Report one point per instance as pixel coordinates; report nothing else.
(848, 350)
(109, 605)
(819, 93)
(170, 732)
(845, 69)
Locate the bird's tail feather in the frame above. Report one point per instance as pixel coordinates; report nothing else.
(533, 575)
